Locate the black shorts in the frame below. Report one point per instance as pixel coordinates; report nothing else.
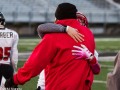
(6, 71)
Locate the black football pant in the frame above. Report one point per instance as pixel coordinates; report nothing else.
(6, 71)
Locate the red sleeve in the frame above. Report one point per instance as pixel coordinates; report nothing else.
(95, 66)
(41, 56)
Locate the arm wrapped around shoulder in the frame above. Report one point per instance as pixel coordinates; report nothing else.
(50, 28)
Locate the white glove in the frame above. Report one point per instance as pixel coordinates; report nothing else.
(82, 52)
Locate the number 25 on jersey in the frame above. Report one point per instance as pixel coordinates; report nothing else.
(4, 53)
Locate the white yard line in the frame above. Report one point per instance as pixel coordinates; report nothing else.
(109, 66)
(99, 81)
(27, 44)
(107, 39)
(106, 58)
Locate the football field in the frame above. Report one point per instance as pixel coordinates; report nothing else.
(103, 44)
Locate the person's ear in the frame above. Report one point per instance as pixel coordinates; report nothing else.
(55, 20)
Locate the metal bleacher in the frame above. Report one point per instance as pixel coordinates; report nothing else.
(97, 11)
(12, 9)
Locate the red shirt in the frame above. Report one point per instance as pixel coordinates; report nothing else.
(62, 70)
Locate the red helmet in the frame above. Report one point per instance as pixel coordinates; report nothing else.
(82, 19)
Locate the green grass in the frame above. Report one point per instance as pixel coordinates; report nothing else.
(108, 44)
(97, 86)
(104, 70)
(27, 44)
(102, 76)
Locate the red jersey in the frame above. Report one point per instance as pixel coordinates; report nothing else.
(62, 70)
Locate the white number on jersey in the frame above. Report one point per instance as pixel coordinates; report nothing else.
(5, 53)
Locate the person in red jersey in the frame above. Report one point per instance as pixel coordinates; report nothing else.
(79, 51)
(63, 71)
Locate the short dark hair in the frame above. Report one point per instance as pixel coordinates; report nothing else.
(66, 11)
